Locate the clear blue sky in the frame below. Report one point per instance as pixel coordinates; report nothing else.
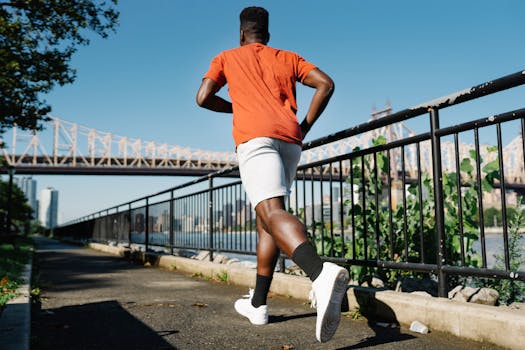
(141, 81)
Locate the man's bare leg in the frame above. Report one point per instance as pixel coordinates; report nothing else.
(289, 235)
(286, 229)
(267, 255)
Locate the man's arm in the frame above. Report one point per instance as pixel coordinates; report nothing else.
(324, 88)
(206, 97)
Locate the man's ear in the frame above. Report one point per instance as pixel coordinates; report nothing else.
(242, 37)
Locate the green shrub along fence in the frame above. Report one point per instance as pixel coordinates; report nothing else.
(397, 205)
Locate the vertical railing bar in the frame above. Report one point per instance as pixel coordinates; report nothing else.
(420, 199)
(239, 220)
(313, 203)
(522, 120)
(194, 239)
(404, 196)
(173, 220)
(321, 195)
(376, 197)
(234, 235)
(147, 225)
(224, 193)
(296, 187)
(503, 199)
(183, 233)
(180, 211)
(365, 229)
(204, 215)
(230, 219)
(304, 196)
(352, 206)
(130, 228)
(390, 208)
(438, 202)
(210, 214)
(460, 199)
(331, 206)
(250, 215)
(480, 199)
(341, 210)
(245, 221)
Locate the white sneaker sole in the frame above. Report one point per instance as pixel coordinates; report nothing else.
(332, 314)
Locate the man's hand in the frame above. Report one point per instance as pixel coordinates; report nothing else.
(304, 128)
(207, 98)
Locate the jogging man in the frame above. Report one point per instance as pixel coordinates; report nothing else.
(261, 85)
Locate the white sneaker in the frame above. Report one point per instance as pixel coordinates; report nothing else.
(256, 315)
(327, 294)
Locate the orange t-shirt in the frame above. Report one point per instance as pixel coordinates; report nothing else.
(261, 84)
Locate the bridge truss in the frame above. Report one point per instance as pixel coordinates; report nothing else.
(69, 148)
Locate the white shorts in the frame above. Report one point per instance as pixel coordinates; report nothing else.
(268, 167)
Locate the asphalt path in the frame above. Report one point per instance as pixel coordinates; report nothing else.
(91, 300)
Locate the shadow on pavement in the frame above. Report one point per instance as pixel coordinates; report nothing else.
(78, 271)
(282, 318)
(103, 325)
(376, 311)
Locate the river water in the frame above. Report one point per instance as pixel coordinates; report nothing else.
(246, 241)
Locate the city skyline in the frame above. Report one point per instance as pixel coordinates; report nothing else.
(28, 185)
(48, 207)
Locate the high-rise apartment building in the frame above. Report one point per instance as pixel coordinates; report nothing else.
(28, 186)
(48, 210)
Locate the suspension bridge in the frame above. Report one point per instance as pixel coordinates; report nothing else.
(69, 148)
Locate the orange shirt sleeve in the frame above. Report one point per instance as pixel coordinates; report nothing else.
(216, 71)
(303, 68)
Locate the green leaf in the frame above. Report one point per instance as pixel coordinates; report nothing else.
(466, 166)
(380, 140)
(491, 166)
(486, 185)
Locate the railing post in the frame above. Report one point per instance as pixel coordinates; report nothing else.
(438, 203)
(210, 214)
(172, 230)
(146, 229)
(129, 227)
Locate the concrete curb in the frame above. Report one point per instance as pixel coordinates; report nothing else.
(15, 321)
(497, 325)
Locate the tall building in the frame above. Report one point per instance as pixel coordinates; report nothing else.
(28, 186)
(48, 210)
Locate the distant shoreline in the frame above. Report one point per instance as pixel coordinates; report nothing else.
(499, 230)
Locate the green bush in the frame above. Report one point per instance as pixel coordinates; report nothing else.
(12, 262)
(406, 232)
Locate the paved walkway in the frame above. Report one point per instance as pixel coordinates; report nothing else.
(95, 301)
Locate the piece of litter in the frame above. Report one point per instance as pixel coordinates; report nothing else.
(418, 327)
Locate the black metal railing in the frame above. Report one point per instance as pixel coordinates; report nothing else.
(378, 206)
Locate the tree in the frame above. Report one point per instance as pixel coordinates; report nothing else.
(20, 209)
(37, 40)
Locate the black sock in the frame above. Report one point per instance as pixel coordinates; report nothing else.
(262, 286)
(307, 259)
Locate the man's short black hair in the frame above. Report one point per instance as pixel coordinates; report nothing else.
(254, 21)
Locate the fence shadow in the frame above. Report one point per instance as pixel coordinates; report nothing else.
(102, 325)
(376, 312)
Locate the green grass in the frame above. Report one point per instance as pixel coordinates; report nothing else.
(12, 262)
(222, 277)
